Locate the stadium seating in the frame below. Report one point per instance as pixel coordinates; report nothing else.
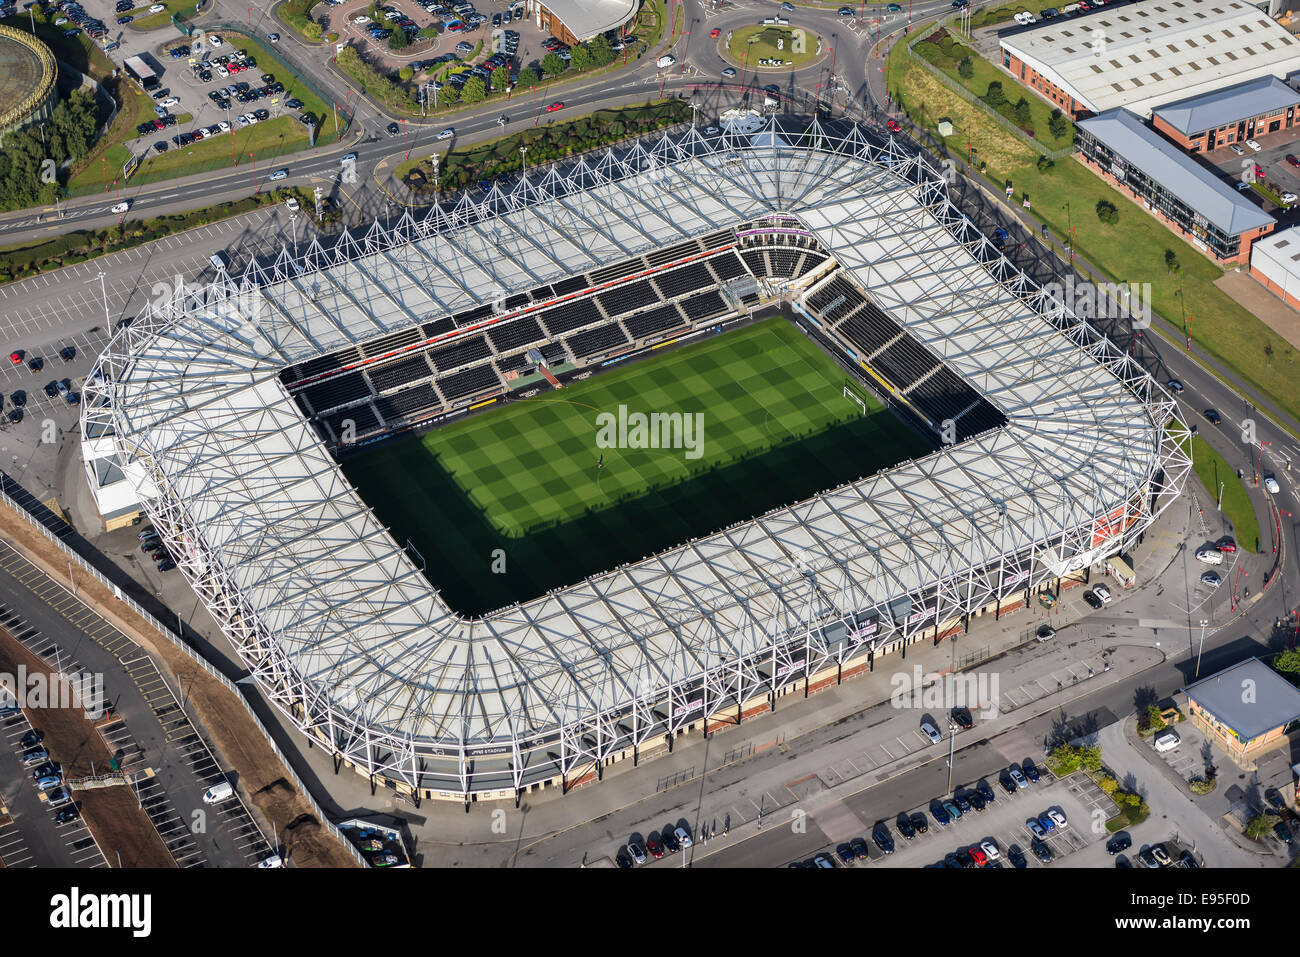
(648, 323)
(625, 299)
(513, 333)
(570, 316)
(385, 344)
(704, 305)
(393, 375)
(472, 381)
(462, 353)
(727, 266)
(600, 340)
(678, 282)
(335, 392)
(408, 405)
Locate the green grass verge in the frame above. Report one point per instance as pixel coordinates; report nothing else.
(265, 140)
(20, 260)
(1133, 250)
(268, 62)
(1211, 468)
(754, 43)
(525, 478)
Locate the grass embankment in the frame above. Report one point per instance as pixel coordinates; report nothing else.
(1211, 468)
(537, 480)
(1131, 250)
(754, 43)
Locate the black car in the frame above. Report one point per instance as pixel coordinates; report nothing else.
(294, 104)
(1274, 798)
(1041, 851)
(1016, 857)
(166, 565)
(905, 828)
(160, 146)
(986, 791)
(963, 805)
(19, 399)
(31, 739)
(919, 822)
(845, 853)
(860, 850)
(1212, 416)
(1008, 785)
(976, 800)
(883, 839)
(962, 717)
(1120, 842)
(669, 838)
(69, 813)
(623, 861)
(36, 363)
(1188, 859)
(1092, 600)
(15, 415)
(771, 88)
(939, 813)
(950, 860)
(68, 353)
(1030, 769)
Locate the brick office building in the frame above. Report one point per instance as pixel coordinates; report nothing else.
(1240, 112)
(1245, 709)
(1173, 186)
(575, 20)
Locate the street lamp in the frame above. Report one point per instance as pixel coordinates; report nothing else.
(1204, 622)
(952, 747)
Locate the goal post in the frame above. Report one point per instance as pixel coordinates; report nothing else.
(855, 398)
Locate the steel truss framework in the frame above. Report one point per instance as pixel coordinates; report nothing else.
(345, 636)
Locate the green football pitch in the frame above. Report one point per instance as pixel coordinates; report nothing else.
(526, 497)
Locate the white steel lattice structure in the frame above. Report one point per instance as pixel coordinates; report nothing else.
(347, 638)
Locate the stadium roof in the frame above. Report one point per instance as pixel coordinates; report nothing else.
(1209, 111)
(1272, 703)
(1181, 174)
(1147, 54)
(587, 18)
(276, 531)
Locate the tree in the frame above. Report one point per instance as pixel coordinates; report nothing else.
(1155, 721)
(474, 91)
(552, 64)
(399, 40)
(995, 97)
(1288, 662)
(965, 69)
(581, 57)
(1058, 125)
(500, 78)
(529, 77)
(1258, 826)
(1044, 164)
(1024, 116)
(602, 51)
(427, 33)
(1171, 262)
(1107, 212)
(405, 73)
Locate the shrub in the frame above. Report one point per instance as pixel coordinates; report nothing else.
(966, 69)
(1201, 785)
(1107, 212)
(1058, 125)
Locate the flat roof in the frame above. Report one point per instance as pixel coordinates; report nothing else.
(1278, 254)
(1183, 175)
(1145, 55)
(1250, 698)
(587, 18)
(1209, 111)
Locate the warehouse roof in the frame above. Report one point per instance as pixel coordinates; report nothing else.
(1209, 111)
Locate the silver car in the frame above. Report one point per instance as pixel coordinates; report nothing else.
(1018, 776)
(931, 732)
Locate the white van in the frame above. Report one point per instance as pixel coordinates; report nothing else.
(221, 791)
(665, 61)
(1211, 556)
(218, 260)
(1167, 741)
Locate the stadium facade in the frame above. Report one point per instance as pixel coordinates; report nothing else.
(1055, 450)
(28, 81)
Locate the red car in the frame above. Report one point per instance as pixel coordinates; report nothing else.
(894, 127)
(1083, 5)
(1227, 545)
(158, 124)
(655, 848)
(714, 33)
(16, 357)
(1290, 158)
(978, 856)
(557, 105)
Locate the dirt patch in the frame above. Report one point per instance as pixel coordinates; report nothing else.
(228, 726)
(69, 737)
(123, 831)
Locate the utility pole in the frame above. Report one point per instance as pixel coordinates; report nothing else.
(952, 747)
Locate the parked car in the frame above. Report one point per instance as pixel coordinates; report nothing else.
(1046, 633)
(655, 848)
(954, 812)
(1018, 777)
(1167, 741)
(1270, 483)
(990, 849)
(1092, 600)
(1188, 859)
(31, 739)
(905, 826)
(1041, 851)
(1120, 842)
(1236, 149)
(638, 852)
(1030, 769)
(1017, 857)
(1007, 783)
(67, 814)
(1210, 556)
(940, 813)
(1036, 827)
(985, 790)
(882, 838)
(931, 732)
(1255, 147)
(845, 853)
(1057, 817)
(1161, 856)
(1103, 593)
(1226, 545)
(976, 800)
(962, 718)
(1212, 579)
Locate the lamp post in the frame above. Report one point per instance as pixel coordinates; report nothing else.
(1204, 622)
(952, 748)
(1069, 228)
(523, 168)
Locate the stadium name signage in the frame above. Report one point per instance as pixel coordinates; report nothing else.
(921, 615)
(861, 634)
(693, 705)
(792, 666)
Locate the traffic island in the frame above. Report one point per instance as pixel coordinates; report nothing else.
(771, 47)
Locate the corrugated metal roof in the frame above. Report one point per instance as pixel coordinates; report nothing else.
(1209, 111)
(1183, 175)
(1145, 55)
(1273, 701)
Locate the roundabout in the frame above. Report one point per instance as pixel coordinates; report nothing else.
(772, 47)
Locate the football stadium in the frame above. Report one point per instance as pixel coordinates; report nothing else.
(632, 447)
